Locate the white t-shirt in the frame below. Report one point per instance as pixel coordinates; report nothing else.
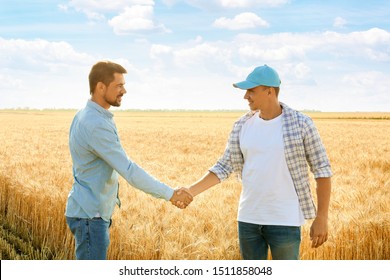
(268, 195)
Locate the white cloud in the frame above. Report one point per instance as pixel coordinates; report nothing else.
(10, 82)
(311, 65)
(39, 53)
(157, 49)
(367, 79)
(265, 53)
(42, 74)
(301, 71)
(100, 7)
(371, 44)
(198, 39)
(371, 37)
(323, 71)
(241, 21)
(298, 54)
(205, 56)
(63, 7)
(250, 3)
(129, 15)
(339, 22)
(162, 56)
(136, 18)
(367, 89)
(233, 4)
(169, 3)
(274, 47)
(166, 91)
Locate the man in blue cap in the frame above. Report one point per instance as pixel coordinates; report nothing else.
(269, 148)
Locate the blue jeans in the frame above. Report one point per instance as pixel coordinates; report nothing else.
(283, 241)
(92, 237)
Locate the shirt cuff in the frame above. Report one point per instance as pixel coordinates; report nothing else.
(219, 171)
(324, 172)
(168, 193)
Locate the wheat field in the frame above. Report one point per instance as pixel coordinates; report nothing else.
(178, 148)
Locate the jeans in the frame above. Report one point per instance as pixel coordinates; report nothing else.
(91, 237)
(283, 241)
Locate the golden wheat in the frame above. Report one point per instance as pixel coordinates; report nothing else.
(178, 148)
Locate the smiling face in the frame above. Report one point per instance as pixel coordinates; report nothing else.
(258, 97)
(111, 95)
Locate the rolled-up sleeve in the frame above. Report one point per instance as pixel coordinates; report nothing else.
(223, 168)
(107, 146)
(315, 152)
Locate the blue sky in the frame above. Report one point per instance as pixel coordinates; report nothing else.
(185, 54)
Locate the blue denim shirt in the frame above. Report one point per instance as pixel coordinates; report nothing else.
(98, 157)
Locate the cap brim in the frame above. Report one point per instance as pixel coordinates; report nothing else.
(245, 85)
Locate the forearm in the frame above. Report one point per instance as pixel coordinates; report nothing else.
(319, 227)
(140, 179)
(323, 196)
(206, 182)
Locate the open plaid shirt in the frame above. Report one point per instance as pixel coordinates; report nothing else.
(302, 146)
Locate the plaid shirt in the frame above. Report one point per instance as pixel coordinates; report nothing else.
(302, 146)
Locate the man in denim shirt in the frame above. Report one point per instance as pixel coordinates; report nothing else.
(98, 159)
(269, 148)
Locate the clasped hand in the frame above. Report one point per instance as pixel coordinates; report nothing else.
(181, 198)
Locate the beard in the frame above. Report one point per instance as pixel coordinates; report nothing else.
(116, 102)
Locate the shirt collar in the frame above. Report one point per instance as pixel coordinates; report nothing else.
(99, 108)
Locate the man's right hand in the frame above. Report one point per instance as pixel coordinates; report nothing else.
(181, 198)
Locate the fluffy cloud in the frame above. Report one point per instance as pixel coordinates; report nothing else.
(319, 70)
(157, 49)
(339, 65)
(371, 44)
(129, 15)
(250, 49)
(209, 57)
(136, 18)
(232, 4)
(366, 79)
(339, 22)
(241, 21)
(250, 3)
(42, 74)
(95, 9)
(274, 47)
(39, 54)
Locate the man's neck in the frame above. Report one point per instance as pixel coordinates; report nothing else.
(271, 112)
(100, 103)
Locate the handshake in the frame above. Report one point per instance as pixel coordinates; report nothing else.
(181, 198)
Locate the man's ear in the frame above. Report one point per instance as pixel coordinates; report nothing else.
(101, 87)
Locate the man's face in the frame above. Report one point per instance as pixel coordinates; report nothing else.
(113, 93)
(257, 97)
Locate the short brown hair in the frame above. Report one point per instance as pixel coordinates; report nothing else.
(277, 89)
(103, 71)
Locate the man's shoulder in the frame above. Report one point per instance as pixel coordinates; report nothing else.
(300, 117)
(89, 119)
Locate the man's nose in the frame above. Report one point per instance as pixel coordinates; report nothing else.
(246, 95)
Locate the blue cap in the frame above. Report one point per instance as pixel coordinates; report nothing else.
(261, 76)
